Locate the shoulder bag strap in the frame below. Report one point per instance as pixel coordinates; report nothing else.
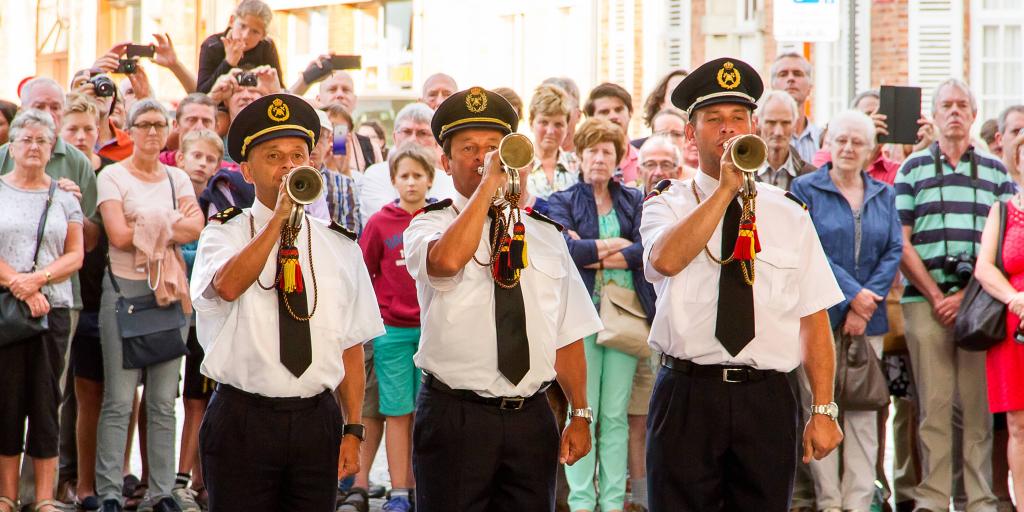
(42, 223)
(174, 195)
(1003, 207)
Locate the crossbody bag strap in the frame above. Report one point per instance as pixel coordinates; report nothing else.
(42, 223)
(174, 195)
(1004, 207)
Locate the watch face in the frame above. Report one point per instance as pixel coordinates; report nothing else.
(833, 409)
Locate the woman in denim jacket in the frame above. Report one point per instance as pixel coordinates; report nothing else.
(856, 220)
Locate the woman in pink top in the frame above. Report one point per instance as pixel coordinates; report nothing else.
(140, 188)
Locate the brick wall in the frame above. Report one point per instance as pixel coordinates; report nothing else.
(697, 44)
(889, 42)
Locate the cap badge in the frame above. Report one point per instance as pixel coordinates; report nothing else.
(728, 76)
(278, 111)
(476, 100)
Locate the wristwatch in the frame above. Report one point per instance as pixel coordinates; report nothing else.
(830, 409)
(586, 413)
(355, 429)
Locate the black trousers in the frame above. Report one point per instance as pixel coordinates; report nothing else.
(30, 371)
(713, 445)
(268, 455)
(473, 457)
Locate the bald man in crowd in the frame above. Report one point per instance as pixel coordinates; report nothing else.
(437, 88)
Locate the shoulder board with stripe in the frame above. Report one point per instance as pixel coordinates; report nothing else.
(543, 218)
(796, 200)
(225, 215)
(662, 186)
(439, 205)
(343, 230)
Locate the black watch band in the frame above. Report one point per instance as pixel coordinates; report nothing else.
(355, 429)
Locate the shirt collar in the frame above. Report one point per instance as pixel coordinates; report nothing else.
(788, 165)
(460, 200)
(261, 214)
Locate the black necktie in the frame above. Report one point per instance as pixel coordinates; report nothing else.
(509, 320)
(296, 345)
(735, 325)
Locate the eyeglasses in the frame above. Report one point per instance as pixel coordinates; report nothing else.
(145, 127)
(37, 141)
(677, 134)
(665, 165)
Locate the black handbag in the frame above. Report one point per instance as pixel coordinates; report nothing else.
(981, 320)
(860, 383)
(16, 320)
(150, 333)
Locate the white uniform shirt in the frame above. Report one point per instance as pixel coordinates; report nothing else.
(240, 338)
(458, 344)
(376, 189)
(793, 280)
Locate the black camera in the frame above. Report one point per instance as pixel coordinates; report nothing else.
(103, 86)
(127, 66)
(961, 266)
(247, 79)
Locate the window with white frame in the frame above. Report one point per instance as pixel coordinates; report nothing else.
(997, 55)
(836, 82)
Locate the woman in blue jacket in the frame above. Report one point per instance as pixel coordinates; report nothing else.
(856, 220)
(602, 228)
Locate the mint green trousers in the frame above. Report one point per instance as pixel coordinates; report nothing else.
(609, 382)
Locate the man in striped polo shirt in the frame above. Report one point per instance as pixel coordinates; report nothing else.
(943, 194)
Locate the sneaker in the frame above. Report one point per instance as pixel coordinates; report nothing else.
(167, 504)
(376, 491)
(111, 506)
(186, 499)
(397, 504)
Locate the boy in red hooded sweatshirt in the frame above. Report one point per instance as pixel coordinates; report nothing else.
(412, 174)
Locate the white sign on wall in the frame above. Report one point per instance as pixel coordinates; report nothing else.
(806, 20)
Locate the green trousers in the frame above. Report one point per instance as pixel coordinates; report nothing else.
(609, 382)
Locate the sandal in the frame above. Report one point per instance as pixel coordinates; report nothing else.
(138, 495)
(47, 506)
(7, 505)
(88, 503)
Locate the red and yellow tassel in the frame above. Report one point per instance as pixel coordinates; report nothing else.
(290, 278)
(747, 243)
(517, 249)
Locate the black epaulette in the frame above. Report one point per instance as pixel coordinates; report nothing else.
(226, 214)
(543, 218)
(796, 200)
(662, 186)
(435, 206)
(343, 230)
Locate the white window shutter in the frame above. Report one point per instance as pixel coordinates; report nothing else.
(936, 44)
(677, 34)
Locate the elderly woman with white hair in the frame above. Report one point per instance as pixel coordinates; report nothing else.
(856, 220)
(40, 247)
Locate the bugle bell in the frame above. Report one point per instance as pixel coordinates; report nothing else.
(748, 153)
(515, 152)
(304, 186)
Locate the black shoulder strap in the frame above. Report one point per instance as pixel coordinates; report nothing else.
(225, 215)
(792, 197)
(543, 218)
(1003, 207)
(662, 186)
(348, 233)
(438, 205)
(174, 195)
(42, 223)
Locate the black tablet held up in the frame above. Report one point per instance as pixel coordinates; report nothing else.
(902, 108)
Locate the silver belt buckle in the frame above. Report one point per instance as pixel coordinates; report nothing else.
(512, 404)
(727, 378)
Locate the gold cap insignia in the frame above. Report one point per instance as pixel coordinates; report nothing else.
(278, 111)
(476, 100)
(729, 76)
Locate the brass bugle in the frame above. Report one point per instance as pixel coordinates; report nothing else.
(748, 153)
(515, 151)
(304, 186)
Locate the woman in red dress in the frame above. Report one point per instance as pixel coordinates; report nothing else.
(1005, 363)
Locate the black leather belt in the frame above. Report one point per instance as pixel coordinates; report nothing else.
(513, 403)
(724, 373)
(275, 403)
